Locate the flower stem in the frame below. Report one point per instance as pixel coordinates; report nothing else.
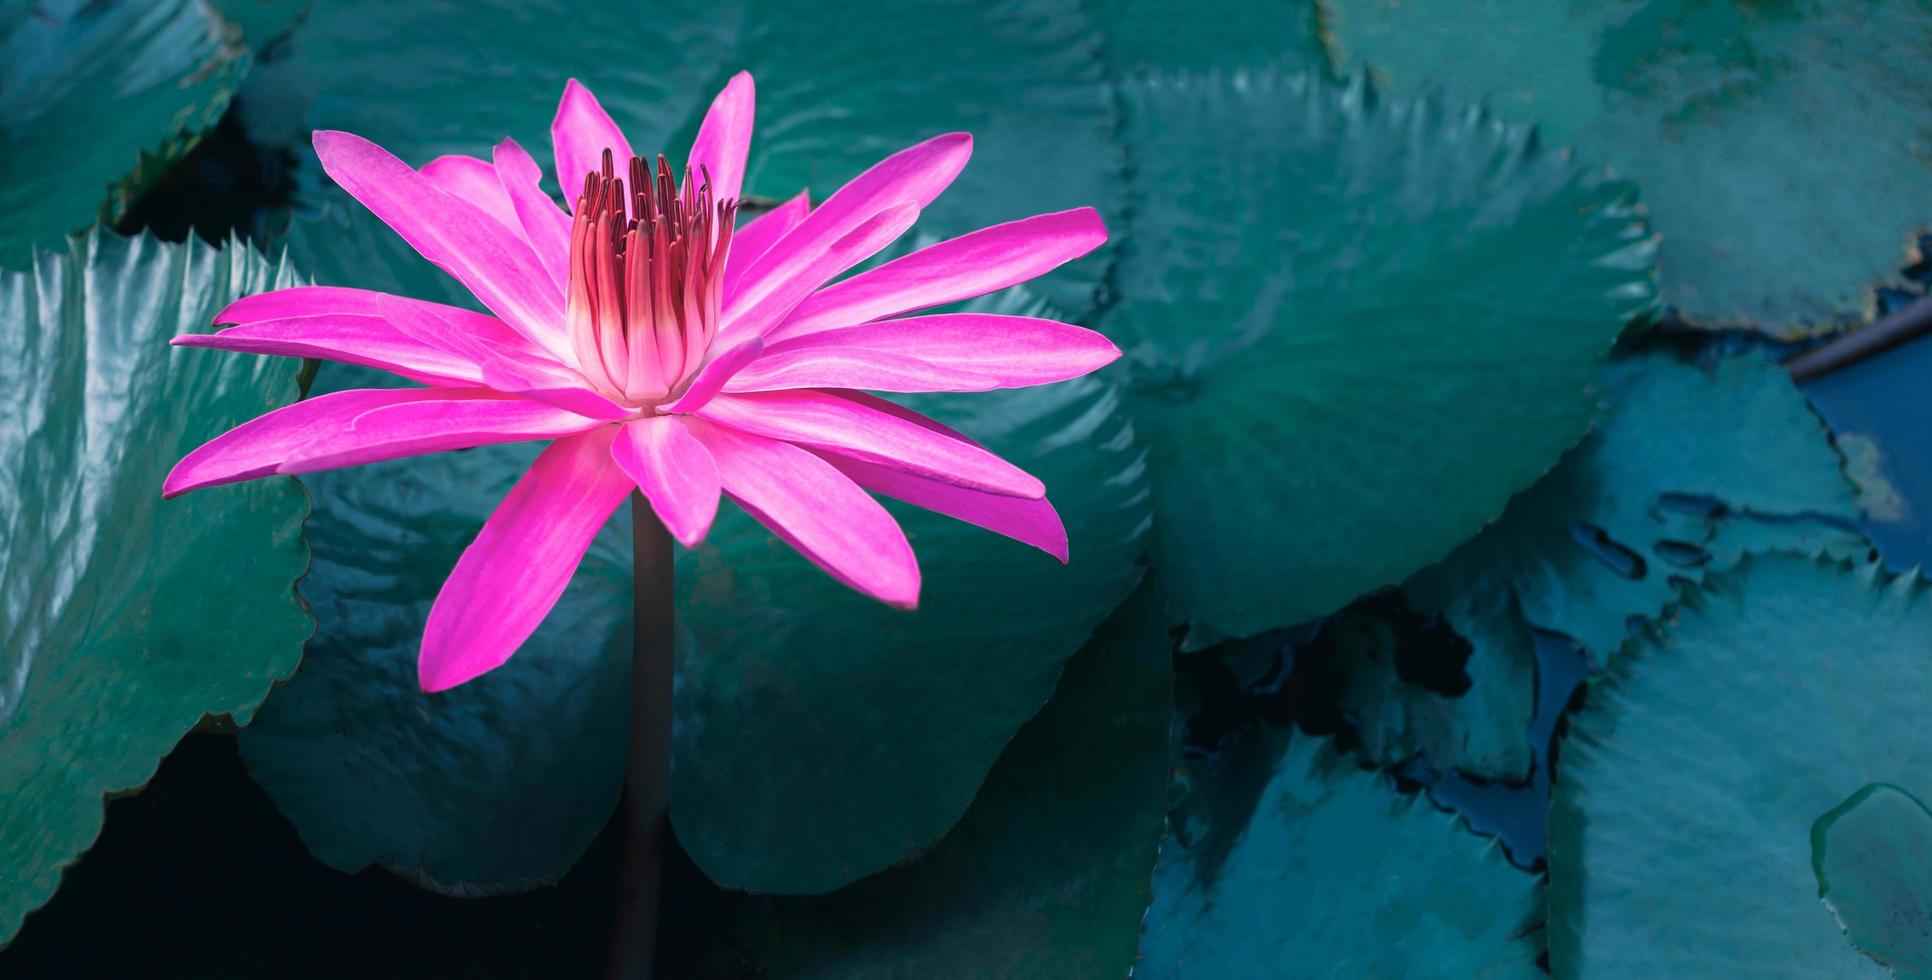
(633, 940)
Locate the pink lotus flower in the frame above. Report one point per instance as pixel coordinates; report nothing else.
(666, 352)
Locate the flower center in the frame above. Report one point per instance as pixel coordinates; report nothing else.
(646, 279)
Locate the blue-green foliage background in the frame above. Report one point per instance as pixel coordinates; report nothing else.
(1460, 585)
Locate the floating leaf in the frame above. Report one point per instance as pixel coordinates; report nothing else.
(96, 100)
(1627, 519)
(822, 736)
(1771, 139)
(1326, 871)
(1332, 304)
(123, 618)
(1047, 873)
(1690, 783)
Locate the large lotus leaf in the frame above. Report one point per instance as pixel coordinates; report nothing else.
(860, 731)
(125, 619)
(822, 736)
(1047, 873)
(1332, 305)
(1869, 857)
(1771, 139)
(838, 88)
(1681, 834)
(1325, 871)
(97, 97)
(1138, 36)
(1624, 521)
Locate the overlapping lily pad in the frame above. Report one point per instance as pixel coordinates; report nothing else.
(1288, 859)
(837, 90)
(1690, 467)
(1047, 874)
(1691, 786)
(1777, 143)
(96, 99)
(1354, 326)
(822, 736)
(125, 619)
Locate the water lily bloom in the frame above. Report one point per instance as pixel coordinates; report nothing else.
(663, 349)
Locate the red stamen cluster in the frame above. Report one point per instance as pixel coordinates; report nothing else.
(646, 277)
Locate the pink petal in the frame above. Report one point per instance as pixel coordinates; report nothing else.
(511, 576)
(1033, 522)
(580, 134)
(1017, 351)
(809, 505)
(724, 138)
(475, 181)
(348, 325)
(368, 341)
(840, 367)
(510, 370)
(543, 224)
(854, 425)
(455, 236)
(712, 377)
(756, 237)
(971, 265)
(297, 301)
(349, 428)
(915, 175)
(675, 473)
(755, 308)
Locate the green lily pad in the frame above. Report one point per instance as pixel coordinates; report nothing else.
(882, 743)
(126, 618)
(1331, 304)
(1215, 34)
(1771, 139)
(1869, 856)
(1690, 467)
(1681, 834)
(1024, 78)
(886, 723)
(1290, 858)
(96, 100)
(1047, 874)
